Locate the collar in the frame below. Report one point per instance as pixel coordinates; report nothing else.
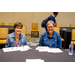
(14, 35)
(47, 34)
(53, 15)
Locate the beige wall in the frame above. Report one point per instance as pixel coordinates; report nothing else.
(27, 18)
(66, 18)
(38, 17)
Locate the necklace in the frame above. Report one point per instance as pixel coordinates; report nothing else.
(17, 40)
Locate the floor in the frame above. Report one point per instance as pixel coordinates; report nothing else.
(32, 41)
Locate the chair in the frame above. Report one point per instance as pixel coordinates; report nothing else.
(35, 31)
(24, 30)
(72, 25)
(3, 35)
(73, 36)
(2, 23)
(59, 25)
(58, 31)
(11, 24)
(23, 24)
(34, 26)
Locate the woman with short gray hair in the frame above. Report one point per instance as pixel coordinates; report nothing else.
(50, 38)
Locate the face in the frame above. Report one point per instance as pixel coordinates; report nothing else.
(50, 28)
(18, 29)
(55, 15)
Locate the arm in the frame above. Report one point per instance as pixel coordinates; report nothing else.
(7, 42)
(59, 42)
(25, 40)
(41, 41)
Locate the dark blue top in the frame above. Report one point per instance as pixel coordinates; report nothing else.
(51, 17)
(54, 41)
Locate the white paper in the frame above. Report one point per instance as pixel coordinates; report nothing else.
(15, 48)
(10, 49)
(47, 49)
(22, 48)
(25, 48)
(55, 50)
(34, 60)
(42, 48)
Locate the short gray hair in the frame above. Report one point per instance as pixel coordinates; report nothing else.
(50, 22)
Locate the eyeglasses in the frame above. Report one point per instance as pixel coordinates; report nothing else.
(50, 27)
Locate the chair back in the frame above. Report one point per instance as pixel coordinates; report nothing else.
(73, 35)
(23, 24)
(34, 26)
(57, 30)
(72, 25)
(3, 33)
(23, 30)
(11, 24)
(59, 25)
(2, 23)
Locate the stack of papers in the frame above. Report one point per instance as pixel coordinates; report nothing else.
(22, 48)
(25, 48)
(34, 60)
(49, 50)
(10, 49)
(55, 50)
(42, 48)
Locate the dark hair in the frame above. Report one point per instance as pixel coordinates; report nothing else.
(18, 24)
(55, 13)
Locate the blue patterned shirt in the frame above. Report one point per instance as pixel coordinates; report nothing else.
(54, 41)
(11, 40)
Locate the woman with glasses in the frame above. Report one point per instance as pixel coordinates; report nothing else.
(50, 38)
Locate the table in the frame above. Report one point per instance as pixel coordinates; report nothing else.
(18, 56)
(65, 33)
(34, 33)
(11, 28)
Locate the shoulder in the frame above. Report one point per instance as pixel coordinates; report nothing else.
(43, 34)
(22, 35)
(51, 16)
(56, 34)
(11, 35)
